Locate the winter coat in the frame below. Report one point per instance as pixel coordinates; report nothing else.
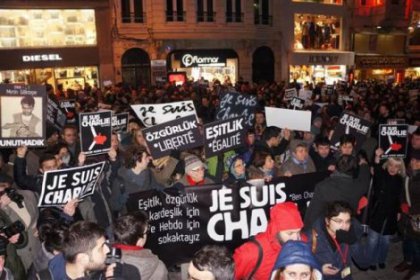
(148, 264)
(321, 164)
(282, 217)
(325, 250)
(296, 168)
(338, 186)
(384, 205)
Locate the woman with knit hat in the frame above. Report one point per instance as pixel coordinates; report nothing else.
(296, 261)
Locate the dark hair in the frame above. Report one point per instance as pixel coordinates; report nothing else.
(259, 158)
(335, 208)
(215, 259)
(128, 229)
(134, 154)
(55, 149)
(81, 238)
(347, 138)
(46, 157)
(270, 132)
(347, 164)
(322, 141)
(68, 126)
(53, 236)
(27, 99)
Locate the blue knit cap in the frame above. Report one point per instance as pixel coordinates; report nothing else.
(296, 252)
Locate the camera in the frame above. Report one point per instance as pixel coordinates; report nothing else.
(14, 196)
(12, 229)
(114, 256)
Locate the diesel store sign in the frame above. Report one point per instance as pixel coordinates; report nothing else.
(51, 57)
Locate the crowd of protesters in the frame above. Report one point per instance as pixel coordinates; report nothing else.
(82, 239)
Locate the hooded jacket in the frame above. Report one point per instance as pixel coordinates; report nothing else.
(284, 216)
(297, 252)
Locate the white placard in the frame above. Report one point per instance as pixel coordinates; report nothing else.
(153, 114)
(286, 118)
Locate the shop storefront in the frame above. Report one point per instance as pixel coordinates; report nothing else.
(205, 64)
(313, 67)
(51, 46)
(413, 71)
(388, 68)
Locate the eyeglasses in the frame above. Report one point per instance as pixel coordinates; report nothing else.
(198, 169)
(341, 222)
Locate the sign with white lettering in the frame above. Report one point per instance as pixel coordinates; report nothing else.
(289, 93)
(60, 186)
(23, 113)
(55, 115)
(120, 122)
(153, 114)
(235, 104)
(287, 118)
(393, 140)
(194, 60)
(95, 132)
(69, 108)
(350, 124)
(297, 102)
(41, 57)
(222, 136)
(179, 134)
(181, 223)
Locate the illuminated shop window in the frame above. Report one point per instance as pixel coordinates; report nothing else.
(334, 2)
(414, 29)
(47, 28)
(317, 32)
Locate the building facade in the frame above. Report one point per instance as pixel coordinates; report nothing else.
(55, 42)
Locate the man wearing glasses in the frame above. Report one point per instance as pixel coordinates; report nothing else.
(195, 171)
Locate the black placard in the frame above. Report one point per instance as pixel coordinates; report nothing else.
(95, 132)
(289, 93)
(69, 108)
(351, 124)
(234, 104)
(181, 223)
(297, 102)
(23, 115)
(120, 122)
(222, 136)
(55, 115)
(393, 140)
(60, 186)
(179, 134)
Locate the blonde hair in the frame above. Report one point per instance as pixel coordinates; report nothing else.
(400, 161)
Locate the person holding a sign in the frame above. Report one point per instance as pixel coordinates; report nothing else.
(296, 261)
(285, 224)
(273, 142)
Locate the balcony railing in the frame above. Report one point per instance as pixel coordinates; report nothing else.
(175, 15)
(263, 20)
(206, 17)
(134, 18)
(234, 17)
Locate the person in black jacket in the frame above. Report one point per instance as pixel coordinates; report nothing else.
(272, 141)
(384, 205)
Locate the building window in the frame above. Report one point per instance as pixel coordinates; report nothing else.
(175, 10)
(261, 12)
(234, 11)
(132, 11)
(316, 32)
(205, 11)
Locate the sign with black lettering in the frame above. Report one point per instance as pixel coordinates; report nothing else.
(95, 132)
(60, 186)
(179, 134)
(55, 115)
(297, 102)
(153, 114)
(350, 124)
(23, 115)
(393, 140)
(222, 136)
(182, 222)
(289, 93)
(69, 108)
(234, 104)
(120, 122)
